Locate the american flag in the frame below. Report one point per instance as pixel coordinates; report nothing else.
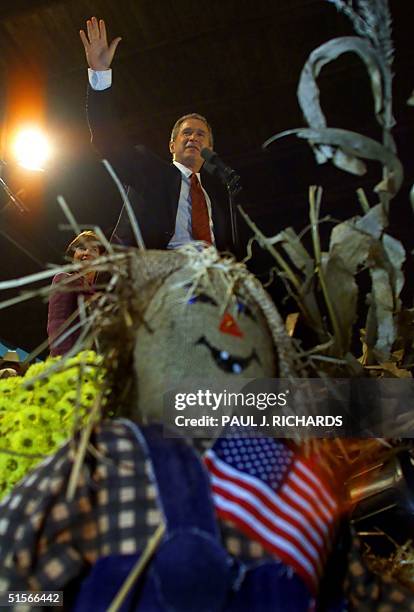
(274, 497)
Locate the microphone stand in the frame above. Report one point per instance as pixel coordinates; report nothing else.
(233, 188)
(12, 198)
(231, 180)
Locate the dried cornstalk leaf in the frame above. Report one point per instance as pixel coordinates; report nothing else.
(373, 222)
(304, 294)
(136, 230)
(382, 297)
(291, 322)
(300, 258)
(353, 144)
(380, 76)
(392, 368)
(399, 565)
(69, 215)
(412, 197)
(343, 294)
(371, 19)
(292, 245)
(349, 244)
(386, 260)
(72, 267)
(308, 91)
(363, 200)
(355, 243)
(395, 253)
(349, 248)
(354, 366)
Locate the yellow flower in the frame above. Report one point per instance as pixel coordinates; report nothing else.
(29, 440)
(86, 358)
(68, 377)
(88, 365)
(88, 393)
(56, 439)
(36, 369)
(53, 389)
(9, 386)
(13, 467)
(64, 407)
(41, 397)
(39, 418)
(5, 404)
(30, 416)
(22, 398)
(48, 418)
(11, 421)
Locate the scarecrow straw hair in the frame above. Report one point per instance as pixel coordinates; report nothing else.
(221, 275)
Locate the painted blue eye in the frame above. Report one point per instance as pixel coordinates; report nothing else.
(202, 297)
(242, 308)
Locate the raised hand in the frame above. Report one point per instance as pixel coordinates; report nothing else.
(99, 54)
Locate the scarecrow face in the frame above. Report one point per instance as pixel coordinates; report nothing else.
(200, 333)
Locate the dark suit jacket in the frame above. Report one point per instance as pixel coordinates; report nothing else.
(155, 184)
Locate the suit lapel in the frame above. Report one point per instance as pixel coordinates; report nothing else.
(173, 188)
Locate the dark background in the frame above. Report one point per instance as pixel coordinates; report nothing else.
(236, 62)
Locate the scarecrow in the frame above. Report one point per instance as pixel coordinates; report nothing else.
(123, 515)
(173, 315)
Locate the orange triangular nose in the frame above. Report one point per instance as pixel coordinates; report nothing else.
(229, 326)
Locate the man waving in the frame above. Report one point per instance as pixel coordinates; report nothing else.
(175, 203)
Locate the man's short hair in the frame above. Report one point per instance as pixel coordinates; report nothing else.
(181, 120)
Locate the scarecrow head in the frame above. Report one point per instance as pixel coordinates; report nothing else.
(197, 315)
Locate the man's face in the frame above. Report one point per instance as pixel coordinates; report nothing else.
(192, 137)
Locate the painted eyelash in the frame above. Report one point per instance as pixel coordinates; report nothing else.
(202, 297)
(243, 308)
(206, 299)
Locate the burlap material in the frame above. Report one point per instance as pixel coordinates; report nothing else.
(177, 303)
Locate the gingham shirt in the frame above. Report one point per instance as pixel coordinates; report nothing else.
(46, 540)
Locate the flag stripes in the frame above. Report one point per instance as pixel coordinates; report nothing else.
(287, 508)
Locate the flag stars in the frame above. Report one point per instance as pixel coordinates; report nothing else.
(262, 466)
(261, 456)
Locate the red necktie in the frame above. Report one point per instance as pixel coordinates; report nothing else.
(199, 212)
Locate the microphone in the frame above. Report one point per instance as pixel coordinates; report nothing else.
(214, 165)
(213, 161)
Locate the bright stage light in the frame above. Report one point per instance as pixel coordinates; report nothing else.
(31, 148)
